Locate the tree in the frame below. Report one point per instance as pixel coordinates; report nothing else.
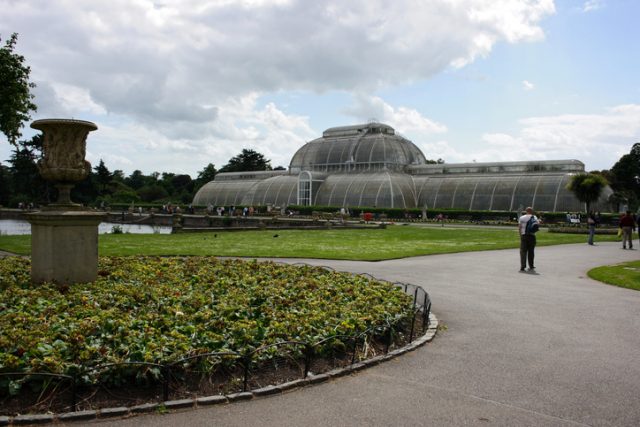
(182, 183)
(5, 185)
(15, 91)
(102, 176)
(152, 193)
(625, 177)
(434, 162)
(136, 180)
(248, 160)
(125, 196)
(26, 183)
(118, 176)
(587, 187)
(204, 176)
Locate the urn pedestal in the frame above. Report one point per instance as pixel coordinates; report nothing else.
(64, 236)
(64, 246)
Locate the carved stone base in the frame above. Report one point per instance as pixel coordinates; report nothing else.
(64, 246)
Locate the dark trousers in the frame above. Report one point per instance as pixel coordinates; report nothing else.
(592, 232)
(527, 246)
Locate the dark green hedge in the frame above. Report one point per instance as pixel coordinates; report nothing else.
(397, 213)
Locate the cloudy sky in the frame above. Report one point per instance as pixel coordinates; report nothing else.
(175, 85)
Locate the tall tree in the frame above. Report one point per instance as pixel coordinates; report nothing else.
(118, 176)
(102, 176)
(247, 160)
(5, 185)
(182, 183)
(26, 183)
(204, 176)
(625, 177)
(135, 180)
(178, 187)
(16, 99)
(587, 187)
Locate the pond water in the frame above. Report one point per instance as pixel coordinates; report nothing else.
(11, 227)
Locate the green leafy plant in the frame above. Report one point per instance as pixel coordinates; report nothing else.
(159, 310)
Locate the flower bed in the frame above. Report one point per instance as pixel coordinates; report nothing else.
(582, 229)
(159, 310)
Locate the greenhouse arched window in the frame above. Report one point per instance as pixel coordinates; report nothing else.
(304, 188)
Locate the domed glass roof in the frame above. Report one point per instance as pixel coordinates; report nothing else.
(360, 148)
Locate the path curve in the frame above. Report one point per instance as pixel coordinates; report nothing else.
(553, 349)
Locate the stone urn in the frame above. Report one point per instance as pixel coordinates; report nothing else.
(64, 236)
(64, 149)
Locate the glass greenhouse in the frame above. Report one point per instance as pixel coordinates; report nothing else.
(369, 165)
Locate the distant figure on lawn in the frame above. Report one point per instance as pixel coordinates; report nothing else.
(527, 227)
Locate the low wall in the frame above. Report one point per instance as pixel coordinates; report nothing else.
(13, 213)
(189, 223)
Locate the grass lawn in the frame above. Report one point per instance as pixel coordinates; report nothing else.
(625, 275)
(396, 241)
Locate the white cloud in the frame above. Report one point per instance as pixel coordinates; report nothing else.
(526, 85)
(441, 150)
(408, 122)
(599, 140)
(76, 99)
(154, 61)
(403, 119)
(591, 5)
(240, 124)
(186, 75)
(109, 159)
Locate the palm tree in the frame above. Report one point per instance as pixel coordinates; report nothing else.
(587, 187)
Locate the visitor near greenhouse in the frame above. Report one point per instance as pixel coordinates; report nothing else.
(527, 227)
(592, 222)
(628, 226)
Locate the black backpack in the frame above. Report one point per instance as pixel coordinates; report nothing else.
(532, 226)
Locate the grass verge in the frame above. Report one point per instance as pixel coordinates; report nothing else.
(625, 275)
(352, 244)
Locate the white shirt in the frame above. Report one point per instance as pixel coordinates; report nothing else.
(522, 222)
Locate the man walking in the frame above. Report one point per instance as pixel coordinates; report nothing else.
(527, 227)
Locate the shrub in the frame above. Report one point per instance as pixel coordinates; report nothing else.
(158, 310)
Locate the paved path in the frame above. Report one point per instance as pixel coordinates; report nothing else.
(553, 349)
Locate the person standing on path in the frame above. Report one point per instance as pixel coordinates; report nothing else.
(527, 227)
(592, 222)
(636, 218)
(628, 226)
